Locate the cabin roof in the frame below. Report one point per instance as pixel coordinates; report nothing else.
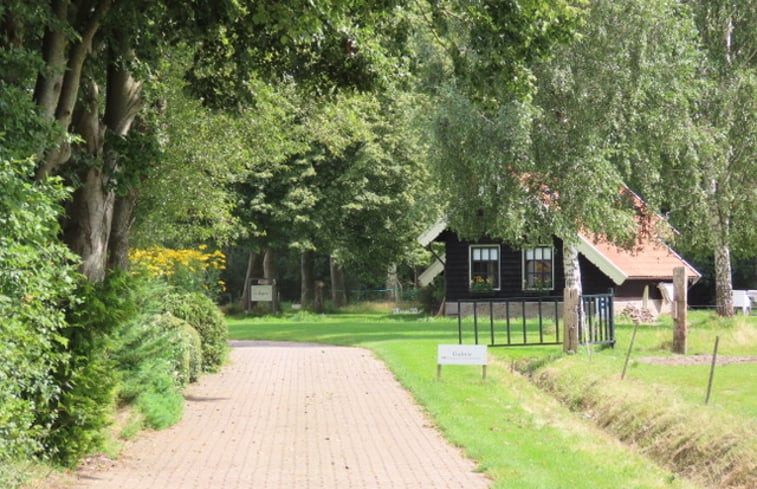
(650, 259)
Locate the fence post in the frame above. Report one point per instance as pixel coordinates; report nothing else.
(712, 369)
(679, 310)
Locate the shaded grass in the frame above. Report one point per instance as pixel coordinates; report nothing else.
(520, 437)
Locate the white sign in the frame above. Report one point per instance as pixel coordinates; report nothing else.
(261, 293)
(461, 355)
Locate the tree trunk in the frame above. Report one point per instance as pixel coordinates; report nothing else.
(392, 283)
(90, 212)
(88, 226)
(572, 307)
(338, 291)
(88, 22)
(103, 241)
(50, 80)
(123, 217)
(122, 104)
(307, 290)
(723, 283)
(270, 270)
(254, 266)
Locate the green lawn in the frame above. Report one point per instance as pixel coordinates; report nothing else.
(520, 436)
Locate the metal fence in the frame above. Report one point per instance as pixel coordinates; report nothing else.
(520, 321)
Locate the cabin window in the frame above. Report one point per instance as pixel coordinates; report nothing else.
(538, 268)
(484, 267)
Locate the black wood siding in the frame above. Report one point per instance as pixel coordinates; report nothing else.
(457, 273)
(593, 280)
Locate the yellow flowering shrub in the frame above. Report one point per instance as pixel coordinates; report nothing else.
(194, 269)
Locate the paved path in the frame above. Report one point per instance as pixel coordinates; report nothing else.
(293, 416)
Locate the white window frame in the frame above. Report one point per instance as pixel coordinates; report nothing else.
(524, 275)
(498, 267)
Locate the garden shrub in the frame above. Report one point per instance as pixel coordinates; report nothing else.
(88, 380)
(205, 317)
(156, 356)
(190, 354)
(175, 339)
(36, 278)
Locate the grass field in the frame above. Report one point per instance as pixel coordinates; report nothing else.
(521, 436)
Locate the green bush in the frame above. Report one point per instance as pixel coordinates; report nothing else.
(36, 278)
(190, 352)
(156, 355)
(431, 296)
(205, 317)
(87, 379)
(176, 340)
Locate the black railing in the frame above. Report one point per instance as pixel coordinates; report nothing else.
(599, 321)
(520, 321)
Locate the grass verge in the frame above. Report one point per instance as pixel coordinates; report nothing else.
(520, 436)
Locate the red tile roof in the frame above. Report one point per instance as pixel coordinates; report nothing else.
(650, 259)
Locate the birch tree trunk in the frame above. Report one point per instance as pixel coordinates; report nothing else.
(723, 281)
(572, 307)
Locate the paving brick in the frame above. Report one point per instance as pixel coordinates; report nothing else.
(293, 416)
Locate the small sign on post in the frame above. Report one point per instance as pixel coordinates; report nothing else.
(461, 355)
(263, 290)
(261, 293)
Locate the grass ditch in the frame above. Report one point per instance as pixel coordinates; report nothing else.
(660, 409)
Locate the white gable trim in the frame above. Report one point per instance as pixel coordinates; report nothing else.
(432, 271)
(601, 261)
(431, 233)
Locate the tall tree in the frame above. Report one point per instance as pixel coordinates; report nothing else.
(607, 105)
(96, 51)
(716, 199)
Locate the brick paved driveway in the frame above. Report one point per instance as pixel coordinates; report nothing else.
(293, 416)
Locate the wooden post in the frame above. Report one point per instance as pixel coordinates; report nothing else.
(630, 348)
(679, 310)
(712, 369)
(570, 320)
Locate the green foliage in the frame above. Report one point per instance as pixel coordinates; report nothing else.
(431, 296)
(155, 355)
(159, 336)
(205, 317)
(493, 45)
(198, 166)
(162, 405)
(88, 379)
(36, 278)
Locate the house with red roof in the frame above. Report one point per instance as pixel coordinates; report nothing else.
(488, 268)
